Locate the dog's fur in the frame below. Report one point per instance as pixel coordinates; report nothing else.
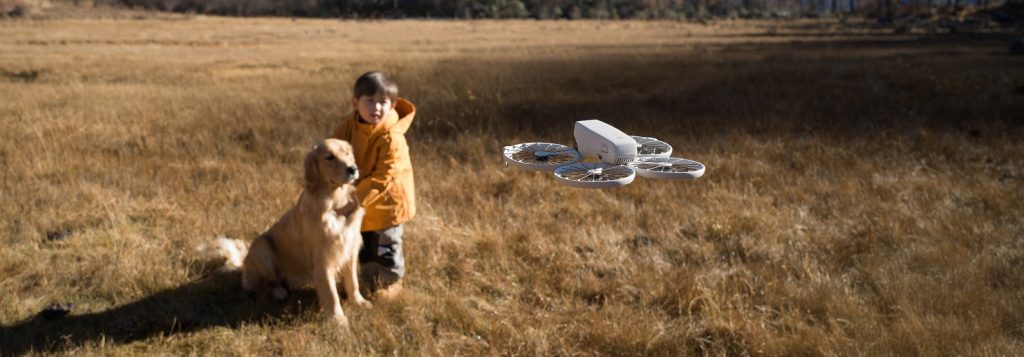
(313, 241)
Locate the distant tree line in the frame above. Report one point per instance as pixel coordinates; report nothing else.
(558, 9)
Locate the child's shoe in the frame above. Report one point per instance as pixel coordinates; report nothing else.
(388, 293)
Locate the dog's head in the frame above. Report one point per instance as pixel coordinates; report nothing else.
(331, 163)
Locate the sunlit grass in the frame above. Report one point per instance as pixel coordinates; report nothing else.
(863, 193)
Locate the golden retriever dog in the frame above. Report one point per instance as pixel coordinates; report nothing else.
(315, 240)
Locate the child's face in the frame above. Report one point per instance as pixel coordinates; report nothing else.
(373, 108)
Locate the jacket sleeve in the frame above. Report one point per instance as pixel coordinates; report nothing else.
(375, 186)
(343, 131)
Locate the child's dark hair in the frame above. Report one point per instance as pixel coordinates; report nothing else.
(371, 83)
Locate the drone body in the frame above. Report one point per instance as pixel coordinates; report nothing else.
(621, 158)
(594, 138)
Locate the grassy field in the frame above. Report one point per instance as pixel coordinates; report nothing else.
(863, 194)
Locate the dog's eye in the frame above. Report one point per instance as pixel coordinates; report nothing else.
(330, 157)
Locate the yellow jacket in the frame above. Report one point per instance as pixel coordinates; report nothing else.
(385, 184)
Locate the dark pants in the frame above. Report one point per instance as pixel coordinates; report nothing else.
(381, 257)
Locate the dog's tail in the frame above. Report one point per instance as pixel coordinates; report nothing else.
(232, 250)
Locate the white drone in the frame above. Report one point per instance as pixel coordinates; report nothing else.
(621, 158)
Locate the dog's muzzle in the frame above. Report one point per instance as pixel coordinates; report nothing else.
(353, 173)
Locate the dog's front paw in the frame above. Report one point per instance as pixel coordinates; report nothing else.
(340, 320)
(363, 303)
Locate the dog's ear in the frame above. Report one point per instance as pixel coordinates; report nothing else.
(312, 169)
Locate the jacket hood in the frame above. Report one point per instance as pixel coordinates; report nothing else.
(406, 112)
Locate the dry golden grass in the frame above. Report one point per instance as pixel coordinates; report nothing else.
(863, 197)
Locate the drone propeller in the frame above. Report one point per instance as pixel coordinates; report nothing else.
(540, 156)
(595, 175)
(668, 168)
(652, 147)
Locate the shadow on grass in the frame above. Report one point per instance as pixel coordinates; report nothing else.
(858, 87)
(212, 301)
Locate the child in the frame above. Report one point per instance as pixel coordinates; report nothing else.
(376, 131)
